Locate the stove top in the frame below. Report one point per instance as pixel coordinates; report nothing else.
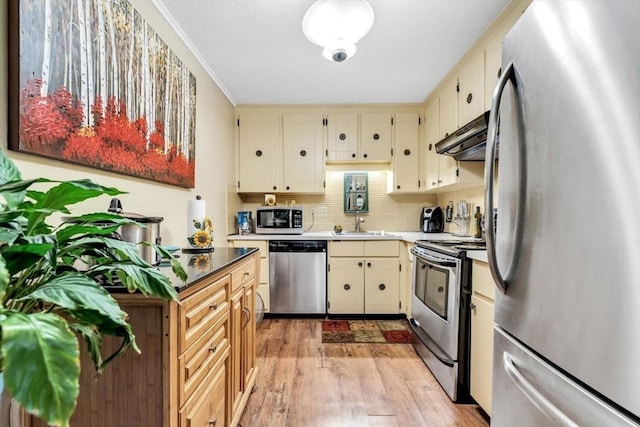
(453, 247)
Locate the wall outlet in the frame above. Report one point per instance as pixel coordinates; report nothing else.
(319, 212)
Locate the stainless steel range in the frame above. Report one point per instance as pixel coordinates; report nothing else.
(441, 294)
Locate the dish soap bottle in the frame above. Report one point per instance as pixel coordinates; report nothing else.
(478, 223)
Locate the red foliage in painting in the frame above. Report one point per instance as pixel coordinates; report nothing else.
(156, 140)
(53, 126)
(117, 132)
(47, 120)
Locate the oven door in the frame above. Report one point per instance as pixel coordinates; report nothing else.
(436, 300)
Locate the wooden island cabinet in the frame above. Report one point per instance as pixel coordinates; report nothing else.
(197, 360)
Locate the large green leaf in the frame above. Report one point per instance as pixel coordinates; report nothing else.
(149, 281)
(9, 172)
(71, 192)
(75, 292)
(8, 235)
(4, 279)
(82, 230)
(41, 364)
(22, 256)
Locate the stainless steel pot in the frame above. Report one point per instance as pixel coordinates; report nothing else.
(146, 229)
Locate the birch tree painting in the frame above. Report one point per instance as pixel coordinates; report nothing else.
(97, 86)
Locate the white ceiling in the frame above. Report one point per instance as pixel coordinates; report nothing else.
(256, 51)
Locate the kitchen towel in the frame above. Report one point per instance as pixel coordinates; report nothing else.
(196, 211)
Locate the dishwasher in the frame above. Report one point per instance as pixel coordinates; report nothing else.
(298, 277)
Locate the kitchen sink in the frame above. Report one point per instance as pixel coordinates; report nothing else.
(362, 233)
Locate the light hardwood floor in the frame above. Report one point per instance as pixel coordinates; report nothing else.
(305, 383)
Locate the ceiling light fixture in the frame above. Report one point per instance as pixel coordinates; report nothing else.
(337, 26)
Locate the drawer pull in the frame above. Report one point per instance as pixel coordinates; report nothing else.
(214, 306)
(245, 274)
(212, 349)
(213, 422)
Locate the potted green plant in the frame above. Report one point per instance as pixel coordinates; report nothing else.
(50, 291)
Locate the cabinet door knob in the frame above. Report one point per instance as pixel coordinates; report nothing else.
(259, 153)
(342, 137)
(397, 187)
(365, 155)
(368, 264)
(275, 188)
(382, 286)
(376, 137)
(287, 187)
(472, 306)
(430, 147)
(303, 153)
(347, 286)
(360, 264)
(433, 183)
(406, 152)
(353, 155)
(469, 98)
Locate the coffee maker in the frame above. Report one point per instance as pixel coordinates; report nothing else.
(431, 219)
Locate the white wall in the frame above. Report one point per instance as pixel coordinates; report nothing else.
(215, 164)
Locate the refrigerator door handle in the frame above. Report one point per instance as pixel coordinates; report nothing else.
(489, 165)
(534, 396)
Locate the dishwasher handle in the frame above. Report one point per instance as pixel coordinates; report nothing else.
(302, 246)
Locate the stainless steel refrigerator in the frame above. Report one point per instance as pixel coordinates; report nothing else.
(566, 253)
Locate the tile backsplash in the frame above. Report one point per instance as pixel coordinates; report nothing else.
(391, 212)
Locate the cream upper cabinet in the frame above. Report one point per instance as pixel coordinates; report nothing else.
(471, 89)
(406, 153)
(259, 151)
(482, 303)
(359, 137)
(431, 117)
(375, 134)
(303, 152)
(444, 173)
(448, 108)
(342, 136)
(493, 69)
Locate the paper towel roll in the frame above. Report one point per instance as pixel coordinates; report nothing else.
(196, 210)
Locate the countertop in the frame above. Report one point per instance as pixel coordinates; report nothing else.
(197, 266)
(406, 236)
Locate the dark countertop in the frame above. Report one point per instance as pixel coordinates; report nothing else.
(197, 266)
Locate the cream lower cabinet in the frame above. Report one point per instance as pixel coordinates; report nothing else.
(482, 300)
(364, 277)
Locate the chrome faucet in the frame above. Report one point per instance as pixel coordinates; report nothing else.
(359, 220)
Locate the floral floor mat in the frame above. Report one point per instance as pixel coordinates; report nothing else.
(366, 331)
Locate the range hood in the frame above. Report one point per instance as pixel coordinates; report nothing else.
(468, 142)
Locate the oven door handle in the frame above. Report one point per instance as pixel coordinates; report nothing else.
(431, 345)
(437, 261)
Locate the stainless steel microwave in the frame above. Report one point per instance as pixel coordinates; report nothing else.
(279, 220)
